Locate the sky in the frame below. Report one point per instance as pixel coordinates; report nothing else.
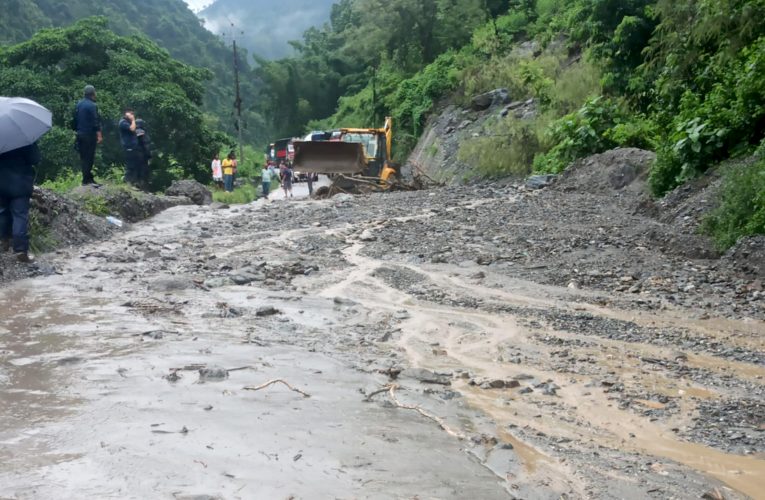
(197, 5)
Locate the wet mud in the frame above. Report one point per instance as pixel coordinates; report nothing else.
(124, 374)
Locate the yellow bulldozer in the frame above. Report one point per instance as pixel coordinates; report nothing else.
(351, 156)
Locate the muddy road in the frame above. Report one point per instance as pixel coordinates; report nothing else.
(453, 343)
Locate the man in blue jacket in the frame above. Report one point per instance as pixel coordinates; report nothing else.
(87, 123)
(17, 177)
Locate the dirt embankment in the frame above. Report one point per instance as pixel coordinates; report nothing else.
(58, 221)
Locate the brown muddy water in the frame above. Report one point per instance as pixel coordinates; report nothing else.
(90, 408)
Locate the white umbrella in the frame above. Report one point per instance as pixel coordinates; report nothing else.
(22, 122)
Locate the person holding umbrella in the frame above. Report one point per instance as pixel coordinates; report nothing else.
(22, 122)
(87, 124)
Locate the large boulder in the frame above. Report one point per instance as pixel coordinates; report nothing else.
(492, 98)
(192, 190)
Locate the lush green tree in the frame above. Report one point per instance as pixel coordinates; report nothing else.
(171, 25)
(55, 65)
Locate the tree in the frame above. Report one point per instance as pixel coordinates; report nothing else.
(55, 65)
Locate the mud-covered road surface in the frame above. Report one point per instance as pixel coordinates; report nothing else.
(453, 343)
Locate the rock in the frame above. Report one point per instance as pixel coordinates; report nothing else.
(427, 376)
(493, 384)
(713, 495)
(170, 284)
(341, 301)
(243, 278)
(267, 311)
(218, 282)
(526, 390)
(367, 235)
(212, 374)
(192, 190)
(489, 99)
(540, 181)
(500, 384)
(342, 197)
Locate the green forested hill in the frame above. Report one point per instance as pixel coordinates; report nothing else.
(168, 22)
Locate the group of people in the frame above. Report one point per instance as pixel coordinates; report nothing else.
(133, 138)
(17, 168)
(224, 172)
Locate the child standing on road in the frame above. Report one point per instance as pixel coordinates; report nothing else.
(217, 171)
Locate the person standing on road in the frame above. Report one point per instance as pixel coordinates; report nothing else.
(17, 177)
(144, 154)
(87, 124)
(285, 172)
(217, 171)
(265, 179)
(309, 179)
(129, 140)
(229, 169)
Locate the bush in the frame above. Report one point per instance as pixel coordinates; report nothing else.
(239, 196)
(416, 97)
(64, 182)
(508, 150)
(741, 211)
(40, 238)
(601, 124)
(709, 127)
(580, 134)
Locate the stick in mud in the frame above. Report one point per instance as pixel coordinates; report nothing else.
(276, 381)
(391, 390)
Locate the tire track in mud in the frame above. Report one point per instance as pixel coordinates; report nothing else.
(482, 313)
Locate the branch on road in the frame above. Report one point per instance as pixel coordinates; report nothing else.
(391, 390)
(276, 381)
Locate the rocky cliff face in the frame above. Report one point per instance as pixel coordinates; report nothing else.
(437, 153)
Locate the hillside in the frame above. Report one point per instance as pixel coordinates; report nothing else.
(168, 22)
(265, 27)
(569, 78)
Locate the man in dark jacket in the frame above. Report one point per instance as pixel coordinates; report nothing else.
(17, 177)
(87, 124)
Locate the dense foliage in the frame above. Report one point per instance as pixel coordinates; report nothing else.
(55, 65)
(742, 204)
(167, 22)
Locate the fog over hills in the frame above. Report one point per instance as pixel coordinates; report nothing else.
(264, 27)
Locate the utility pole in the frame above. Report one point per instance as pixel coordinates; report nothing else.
(374, 97)
(238, 102)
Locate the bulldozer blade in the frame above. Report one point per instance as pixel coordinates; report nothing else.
(329, 157)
